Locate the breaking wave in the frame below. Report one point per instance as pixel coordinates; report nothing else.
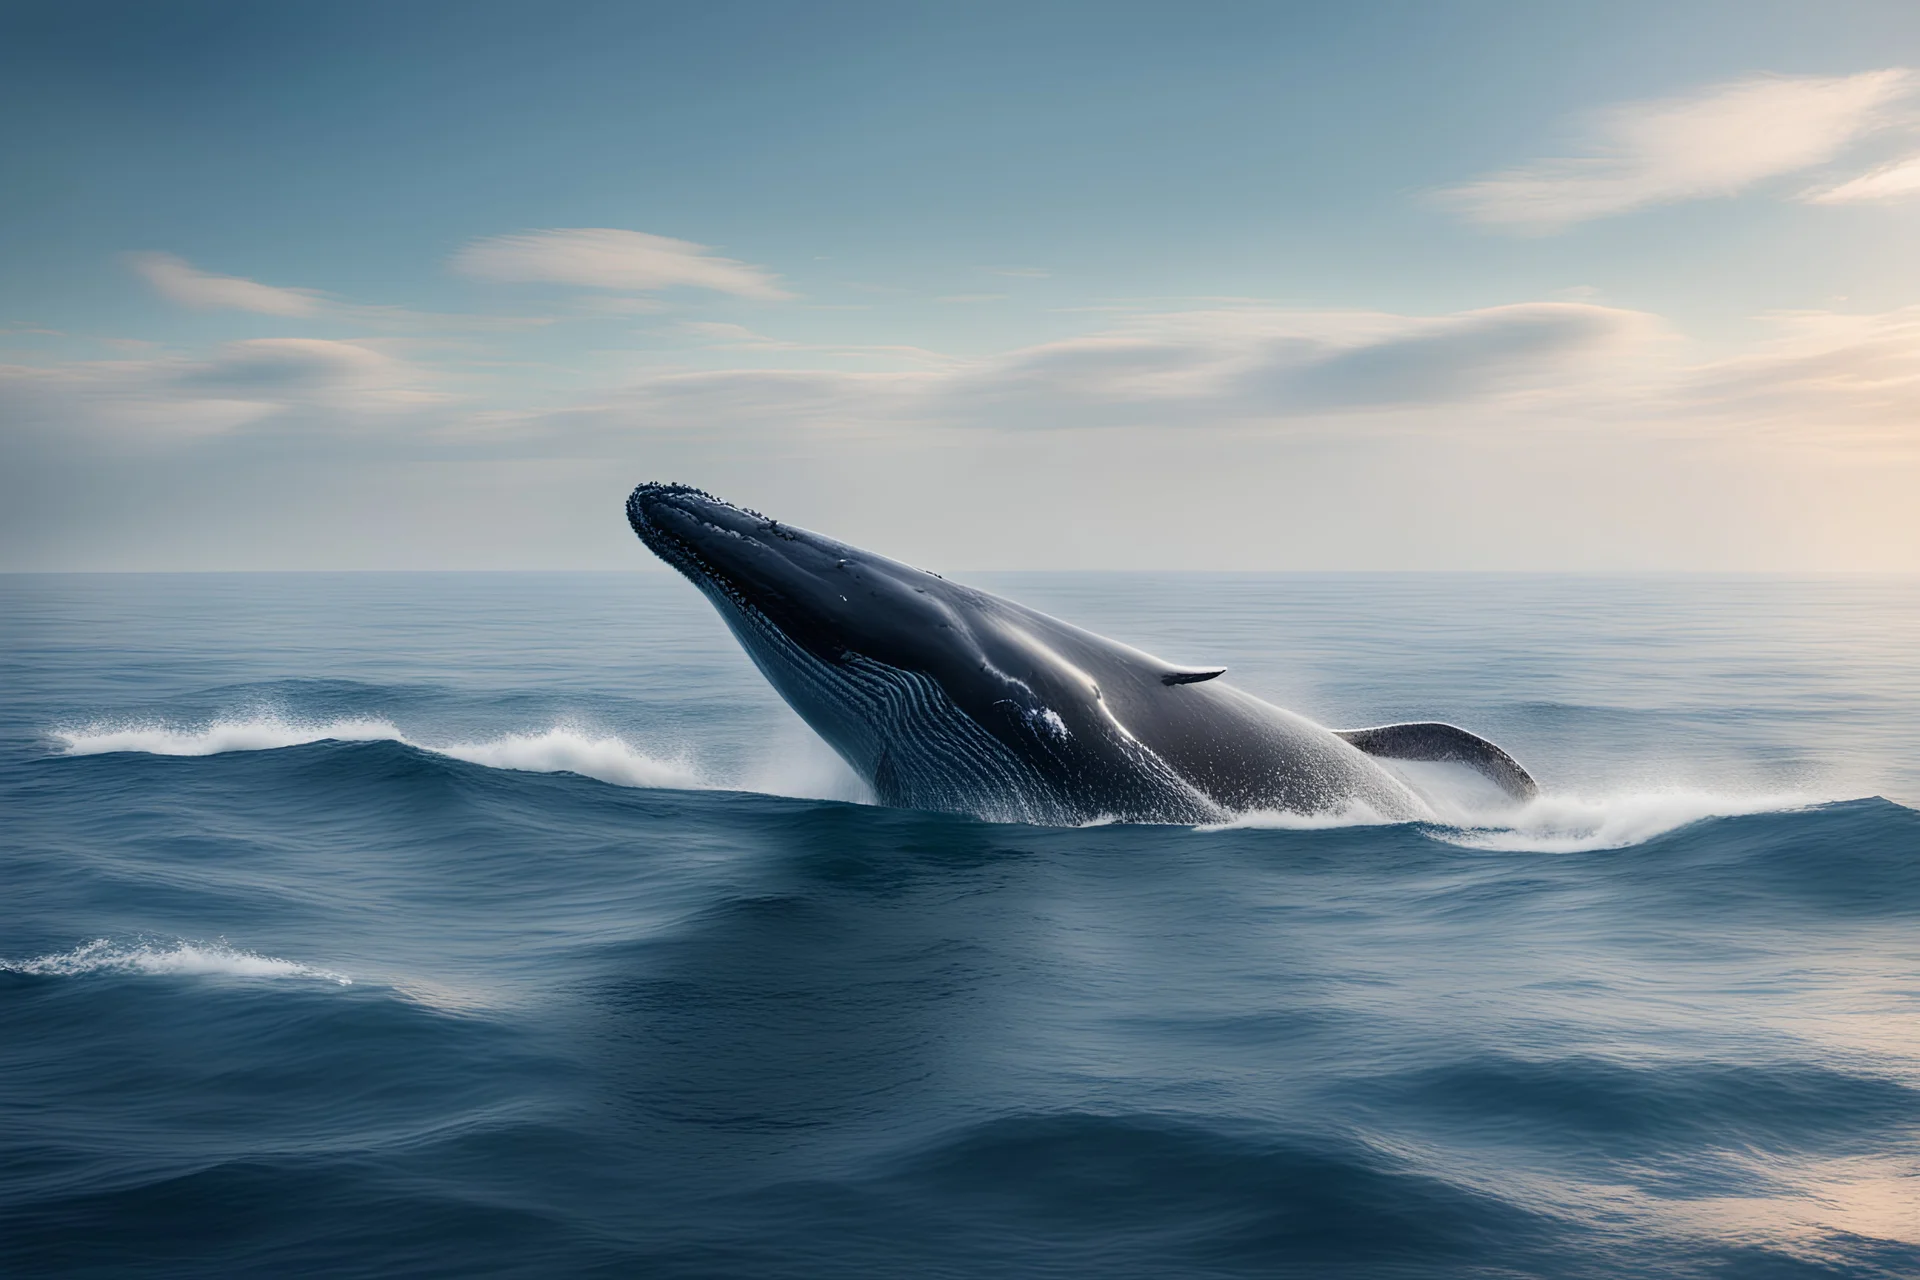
(171, 959)
(260, 733)
(560, 749)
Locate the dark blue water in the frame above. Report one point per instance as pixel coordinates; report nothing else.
(469, 925)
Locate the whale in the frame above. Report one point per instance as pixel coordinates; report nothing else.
(944, 697)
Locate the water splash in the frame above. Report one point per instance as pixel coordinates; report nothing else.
(604, 757)
(1354, 815)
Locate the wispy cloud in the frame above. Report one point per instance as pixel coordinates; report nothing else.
(180, 281)
(1824, 376)
(311, 383)
(1250, 364)
(1889, 182)
(1243, 368)
(1713, 143)
(724, 336)
(606, 258)
(286, 372)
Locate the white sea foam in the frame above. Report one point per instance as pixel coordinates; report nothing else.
(1465, 809)
(258, 733)
(1573, 824)
(1354, 815)
(605, 757)
(179, 958)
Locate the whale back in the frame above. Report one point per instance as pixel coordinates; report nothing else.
(1234, 749)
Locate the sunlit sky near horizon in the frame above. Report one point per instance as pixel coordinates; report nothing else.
(1261, 286)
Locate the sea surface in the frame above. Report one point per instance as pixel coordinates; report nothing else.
(510, 925)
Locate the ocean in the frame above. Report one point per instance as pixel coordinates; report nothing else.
(510, 925)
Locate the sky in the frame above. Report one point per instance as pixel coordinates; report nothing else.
(1356, 286)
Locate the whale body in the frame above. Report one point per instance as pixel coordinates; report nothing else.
(948, 698)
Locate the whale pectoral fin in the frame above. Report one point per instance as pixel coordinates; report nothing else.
(1444, 742)
(1190, 675)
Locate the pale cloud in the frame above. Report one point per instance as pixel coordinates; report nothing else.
(124, 404)
(1713, 143)
(724, 335)
(1824, 377)
(1611, 439)
(1889, 182)
(732, 335)
(1827, 378)
(606, 258)
(180, 281)
(1181, 372)
(147, 404)
(616, 305)
(286, 372)
(1253, 365)
(1821, 379)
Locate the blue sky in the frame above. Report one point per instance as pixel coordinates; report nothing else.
(1467, 285)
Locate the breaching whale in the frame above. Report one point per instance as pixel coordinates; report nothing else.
(949, 698)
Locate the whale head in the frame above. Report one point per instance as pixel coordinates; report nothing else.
(939, 695)
(828, 598)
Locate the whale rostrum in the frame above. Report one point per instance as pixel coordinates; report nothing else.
(945, 697)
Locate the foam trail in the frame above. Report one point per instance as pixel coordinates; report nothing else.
(261, 733)
(181, 958)
(604, 757)
(1576, 824)
(1468, 811)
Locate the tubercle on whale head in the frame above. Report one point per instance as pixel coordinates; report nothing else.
(832, 598)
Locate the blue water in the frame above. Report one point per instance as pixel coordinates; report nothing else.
(471, 925)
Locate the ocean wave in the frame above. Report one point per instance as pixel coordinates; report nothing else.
(179, 958)
(1464, 810)
(560, 749)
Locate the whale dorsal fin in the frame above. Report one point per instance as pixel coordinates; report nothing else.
(1429, 740)
(1189, 675)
